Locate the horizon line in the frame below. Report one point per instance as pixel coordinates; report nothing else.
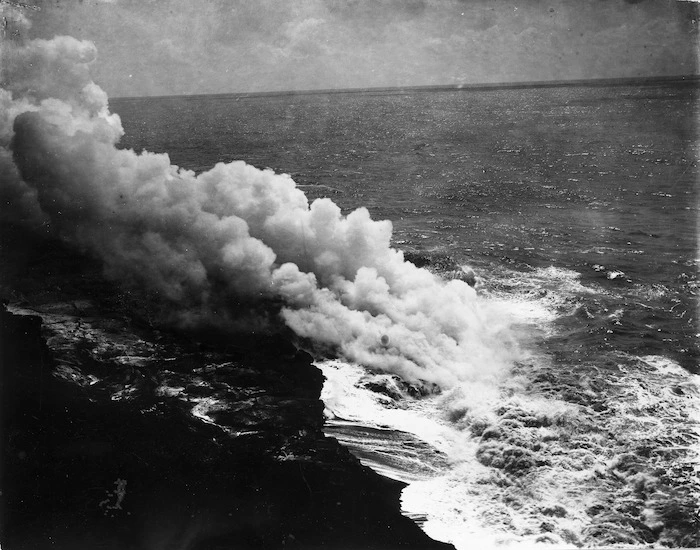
(594, 82)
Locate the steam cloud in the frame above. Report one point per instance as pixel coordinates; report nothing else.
(203, 242)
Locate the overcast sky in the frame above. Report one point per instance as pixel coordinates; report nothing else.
(163, 47)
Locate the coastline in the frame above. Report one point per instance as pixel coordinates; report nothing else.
(120, 435)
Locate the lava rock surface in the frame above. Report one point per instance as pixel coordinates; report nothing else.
(117, 434)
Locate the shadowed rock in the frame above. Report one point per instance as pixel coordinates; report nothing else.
(117, 435)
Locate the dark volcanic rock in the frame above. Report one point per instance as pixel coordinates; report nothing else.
(118, 437)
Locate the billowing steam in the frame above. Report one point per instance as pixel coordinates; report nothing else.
(202, 242)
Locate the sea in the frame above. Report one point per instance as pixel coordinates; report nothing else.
(576, 209)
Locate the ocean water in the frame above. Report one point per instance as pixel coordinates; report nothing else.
(576, 210)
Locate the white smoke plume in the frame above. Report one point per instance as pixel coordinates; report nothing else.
(203, 242)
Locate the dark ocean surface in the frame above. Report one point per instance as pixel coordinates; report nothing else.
(575, 206)
(597, 180)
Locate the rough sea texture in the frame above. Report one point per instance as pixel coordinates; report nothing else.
(596, 180)
(577, 210)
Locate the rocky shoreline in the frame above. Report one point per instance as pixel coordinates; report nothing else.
(118, 435)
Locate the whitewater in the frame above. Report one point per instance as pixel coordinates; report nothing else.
(519, 343)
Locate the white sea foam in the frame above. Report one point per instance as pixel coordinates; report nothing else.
(580, 469)
(540, 295)
(345, 398)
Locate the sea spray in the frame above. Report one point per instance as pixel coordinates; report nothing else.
(205, 244)
(568, 451)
